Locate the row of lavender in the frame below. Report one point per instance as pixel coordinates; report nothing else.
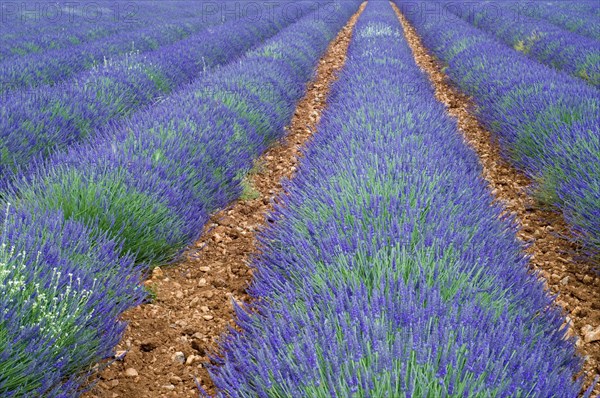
(52, 67)
(78, 237)
(580, 17)
(68, 24)
(548, 123)
(388, 271)
(37, 123)
(538, 39)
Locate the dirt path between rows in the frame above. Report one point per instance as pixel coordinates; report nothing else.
(575, 284)
(168, 340)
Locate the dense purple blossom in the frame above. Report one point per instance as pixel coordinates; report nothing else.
(577, 16)
(136, 194)
(41, 261)
(538, 39)
(21, 74)
(547, 122)
(388, 270)
(51, 118)
(35, 28)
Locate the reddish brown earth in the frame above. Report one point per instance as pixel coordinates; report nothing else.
(573, 281)
(193, 306)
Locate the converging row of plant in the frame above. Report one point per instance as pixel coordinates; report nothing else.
(80, 233)
(547, 122)
(42, 121)
(388, 271)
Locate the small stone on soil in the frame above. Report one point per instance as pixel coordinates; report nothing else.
(219, 283)
(190, 360)
(131, 372)
(157, 273)
(178, 357)
(175, 379)
(590, 334)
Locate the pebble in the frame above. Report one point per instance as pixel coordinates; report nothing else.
(227, 221)
(103, 386)
(202, 282)
(190, 360)
(157, 273)
(207, 317)
(169, 387)
(179, 294)
(175, 379)
(219, 283)
(590, 334)
(564, 281)
(178, 357)
(586, 328)
(120, 355)
(204, 269)
(131, 372)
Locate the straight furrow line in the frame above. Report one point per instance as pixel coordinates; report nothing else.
(193, 303)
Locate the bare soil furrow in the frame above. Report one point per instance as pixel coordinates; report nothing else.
(167, 343)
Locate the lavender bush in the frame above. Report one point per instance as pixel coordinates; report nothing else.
(538, 39)
(51, 118)
(161, 174)
(83, 227)
(580, 17)
(547, 122)
(388, 271)
(60, 298)
(68, 25)
(54, 66)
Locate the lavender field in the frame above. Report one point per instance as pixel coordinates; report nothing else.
(167, 232)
